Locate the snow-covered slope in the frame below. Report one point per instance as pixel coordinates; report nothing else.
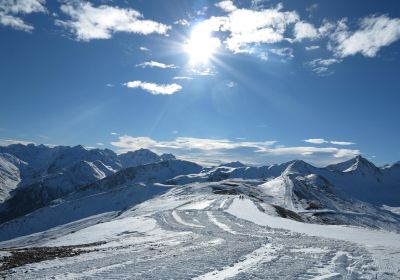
(9, 174)
(31, 176)
(196, 231)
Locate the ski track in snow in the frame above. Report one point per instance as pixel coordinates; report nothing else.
(221, 238)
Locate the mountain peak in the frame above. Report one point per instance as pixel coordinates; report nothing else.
(299, 166)
(357, 163)
(234, 164)
(138, 157)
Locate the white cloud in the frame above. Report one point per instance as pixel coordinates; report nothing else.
(305, 151)
(203, 70)
(304, 30)
(109, 85)
(323, 141)
(321, 66)
(100, 144)
(126, 143)
(144, 49)
(10, 12)
(316, 141)
(156, 89)
(182, 78)
(284, 52)
(265, 26)
(226, 6)
(312, 48)
(6, 142)
(182, 22)
(231, 84)
(324, 62)
(88, 22)
(342, 143)
(374, 33)
(156, 64)
(219, 150)
(114, 133)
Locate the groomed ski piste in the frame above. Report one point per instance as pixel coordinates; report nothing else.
(190, 232)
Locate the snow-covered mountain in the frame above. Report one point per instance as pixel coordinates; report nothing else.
(142, 156)
(31, 176)
(10, 177)
(98, 208)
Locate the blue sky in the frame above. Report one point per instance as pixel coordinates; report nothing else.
(256, 81)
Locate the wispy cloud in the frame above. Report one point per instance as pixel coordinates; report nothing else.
(375, 32)
(156, 64)
(323, 141)
(182, 22)
(342, 143)
(321, 66)
(283, 52)
(114, 133)
(221, 150)
(156, 89)
(231, 84)
(6, 142)
(182, 78)
(335, 152)
(188, 143)
(11, 12)
(312, 48)
(315, 141)
(88, 22)
(144, 49)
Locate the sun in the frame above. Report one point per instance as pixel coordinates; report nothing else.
(201, 45)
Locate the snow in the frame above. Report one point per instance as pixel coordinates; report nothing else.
(395, 210)
(264, 254)
(198, 205)
(174, 219)
(246, 209)
(181, 221)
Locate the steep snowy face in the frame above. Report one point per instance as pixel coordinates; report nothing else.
(9, 174)
(138, 157)
(357, 164)
(301, 167)
(145, 174)
(69, 156)
(46, 161)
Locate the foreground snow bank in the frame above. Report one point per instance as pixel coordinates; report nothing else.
(246, 209)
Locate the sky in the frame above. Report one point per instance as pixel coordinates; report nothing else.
(210, 81)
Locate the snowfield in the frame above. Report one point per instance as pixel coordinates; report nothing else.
(192, 233)
(73, 213)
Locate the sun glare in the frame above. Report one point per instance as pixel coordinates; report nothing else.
(201, 45)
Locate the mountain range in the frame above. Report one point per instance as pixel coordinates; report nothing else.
(47, 193)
